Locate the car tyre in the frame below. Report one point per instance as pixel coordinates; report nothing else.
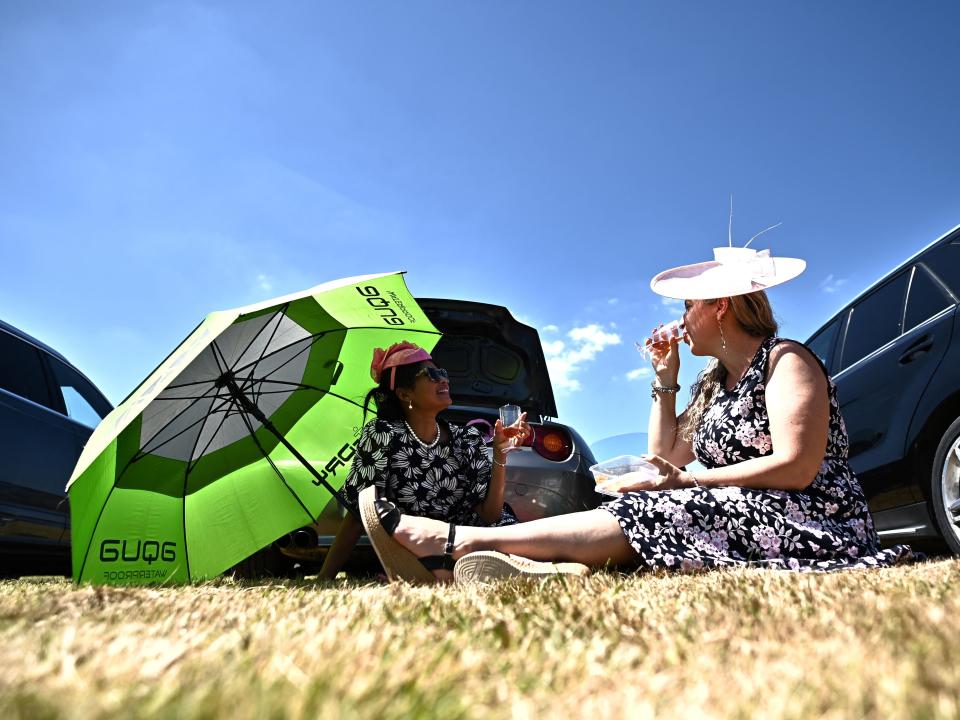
(945, 487)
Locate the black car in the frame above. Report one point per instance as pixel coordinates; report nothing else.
(894, 354)
(47, 411)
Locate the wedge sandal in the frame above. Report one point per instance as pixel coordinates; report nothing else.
(380, 518)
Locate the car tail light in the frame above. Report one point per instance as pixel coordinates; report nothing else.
(553, 443)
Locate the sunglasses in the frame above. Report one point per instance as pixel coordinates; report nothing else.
(434, 373)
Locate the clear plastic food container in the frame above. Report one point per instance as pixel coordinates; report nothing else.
(610, 474)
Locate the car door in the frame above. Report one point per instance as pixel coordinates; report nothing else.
(84, 407)
(39, 447)
(893, 342)
(824, 343)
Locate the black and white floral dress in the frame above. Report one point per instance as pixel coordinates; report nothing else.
(825, 527)
(445, 482)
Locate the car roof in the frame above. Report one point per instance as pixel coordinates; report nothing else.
(947, 237)
(17, 332)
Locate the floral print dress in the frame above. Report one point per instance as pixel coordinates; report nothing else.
(445, 482)
(824, 527)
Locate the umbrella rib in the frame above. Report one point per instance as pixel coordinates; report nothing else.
(404, 329)
(286, 392)
(253, 434)
(278, 314)
(186, 397)
(186, 480)
(221, 367)
(312, 339)
(309, 387)
(145, 451)
(141, 452)
(189, 384)
(193, 461)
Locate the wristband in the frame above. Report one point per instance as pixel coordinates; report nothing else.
(670, 389)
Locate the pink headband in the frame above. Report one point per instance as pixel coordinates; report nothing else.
(401, 353)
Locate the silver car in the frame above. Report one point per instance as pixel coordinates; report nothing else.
(493, 360)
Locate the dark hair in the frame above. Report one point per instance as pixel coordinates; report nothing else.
(388, 404)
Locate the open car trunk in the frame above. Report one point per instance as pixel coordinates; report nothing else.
(493, 359)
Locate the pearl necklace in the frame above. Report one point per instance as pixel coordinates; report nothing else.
(425, 446)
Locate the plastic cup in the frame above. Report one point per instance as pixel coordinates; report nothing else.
(509, 414)
(673, 330)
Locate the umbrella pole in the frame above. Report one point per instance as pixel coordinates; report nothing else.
(252, 408)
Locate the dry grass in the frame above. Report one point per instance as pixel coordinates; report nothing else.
(875, 644)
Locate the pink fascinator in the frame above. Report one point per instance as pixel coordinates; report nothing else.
(401, 353)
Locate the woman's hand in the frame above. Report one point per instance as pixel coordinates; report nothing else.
(509, 438)
(670, 478)
(665, 359)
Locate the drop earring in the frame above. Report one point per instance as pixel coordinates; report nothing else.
(723, 340)
(409, 404)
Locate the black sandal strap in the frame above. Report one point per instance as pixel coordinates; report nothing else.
(445, 561)
(388, 514)
(451, 536)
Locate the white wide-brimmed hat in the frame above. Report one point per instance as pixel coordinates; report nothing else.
(733, 271)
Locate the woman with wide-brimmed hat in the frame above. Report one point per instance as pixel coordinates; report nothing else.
(424, 465)
(776, 489)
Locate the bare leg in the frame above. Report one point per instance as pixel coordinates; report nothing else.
(593, 538)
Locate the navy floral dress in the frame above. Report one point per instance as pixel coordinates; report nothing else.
(825, 527)
(445, 482)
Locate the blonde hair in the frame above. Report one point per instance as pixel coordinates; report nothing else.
(754, 314)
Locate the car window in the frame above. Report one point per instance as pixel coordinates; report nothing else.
(84, 403)
(925, 300)
(875, 320)
(822, 343)
(21, 370)
(944, 261)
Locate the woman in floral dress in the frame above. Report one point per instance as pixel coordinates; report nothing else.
(763, 421)
(426, 466)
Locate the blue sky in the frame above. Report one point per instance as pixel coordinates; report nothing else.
(163, 160)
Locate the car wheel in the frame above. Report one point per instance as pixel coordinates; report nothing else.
(945, 487)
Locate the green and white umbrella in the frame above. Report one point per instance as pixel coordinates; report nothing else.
(244, 433)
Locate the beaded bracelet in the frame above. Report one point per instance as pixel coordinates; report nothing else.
(671, 389)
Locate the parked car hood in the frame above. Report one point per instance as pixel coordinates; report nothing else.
(492, 358)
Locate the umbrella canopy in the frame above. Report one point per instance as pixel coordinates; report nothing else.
(245, 432)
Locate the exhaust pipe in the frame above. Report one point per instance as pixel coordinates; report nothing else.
(305, 537)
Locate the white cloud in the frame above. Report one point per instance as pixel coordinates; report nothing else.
(640, 372)
(550, 328)
(613, 301)
(553, 347)
(830, 284)
(566, 359)
(264, 282)
(672, 303)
